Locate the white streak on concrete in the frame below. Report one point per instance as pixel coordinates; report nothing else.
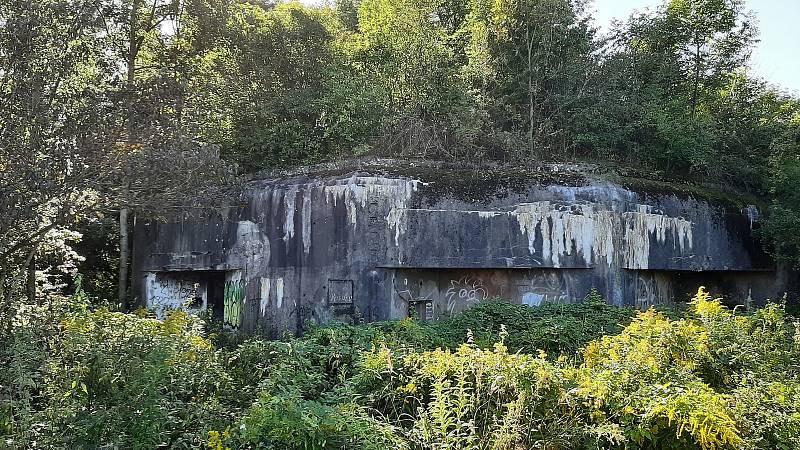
(305, 218)
(752, 214)
(251, 242)
(290, 204)
(591, 231)
(356, 191)
(279, 292)
(590, 224)
(397, 221)
(640, 225)
(265, 286)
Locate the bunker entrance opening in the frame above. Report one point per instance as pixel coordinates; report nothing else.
(191, 290)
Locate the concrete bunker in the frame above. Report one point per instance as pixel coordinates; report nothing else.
(373, 240)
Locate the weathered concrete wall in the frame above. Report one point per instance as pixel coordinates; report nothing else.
(374, 243)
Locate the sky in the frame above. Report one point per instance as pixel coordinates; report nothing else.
(776, 57)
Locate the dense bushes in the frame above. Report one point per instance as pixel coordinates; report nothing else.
(661, 383)
(553, 328)
(499, 376)
(104, 379)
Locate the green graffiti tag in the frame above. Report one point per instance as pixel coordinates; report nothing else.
(234, 298)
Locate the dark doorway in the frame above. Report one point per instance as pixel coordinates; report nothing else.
(216, 294)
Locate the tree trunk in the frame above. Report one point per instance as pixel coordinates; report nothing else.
(124, 255)
(4, 305)
(530, 92)
(124, 251)
(30, 282)
(696, 75)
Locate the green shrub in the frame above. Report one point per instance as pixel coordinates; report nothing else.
(135, 382)
(287, 421)
(473, 398)
(105, 379)
(711, 380)
(554, 328)
(686, 383)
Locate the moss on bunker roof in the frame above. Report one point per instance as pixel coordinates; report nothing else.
(466, 181)
(469, 181)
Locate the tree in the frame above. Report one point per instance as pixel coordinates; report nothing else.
(65, 133)
(782, 227)
(275, 87)
(674, 87)
(57, 126)
(281, 61)
(414, 51)
(161, 161)
(533, 60)
(714, 38)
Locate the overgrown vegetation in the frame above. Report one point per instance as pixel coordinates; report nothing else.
(149, 107)
(708, 378)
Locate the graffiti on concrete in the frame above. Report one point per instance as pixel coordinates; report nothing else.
(302, 314)
(168, 291)
(466, 291)
(418, 292)
(645, 293)
(234, 300)
(340, 292)
(340, 299)
(174, 293)
(651, 290)
(543, 287)
(419, 296)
